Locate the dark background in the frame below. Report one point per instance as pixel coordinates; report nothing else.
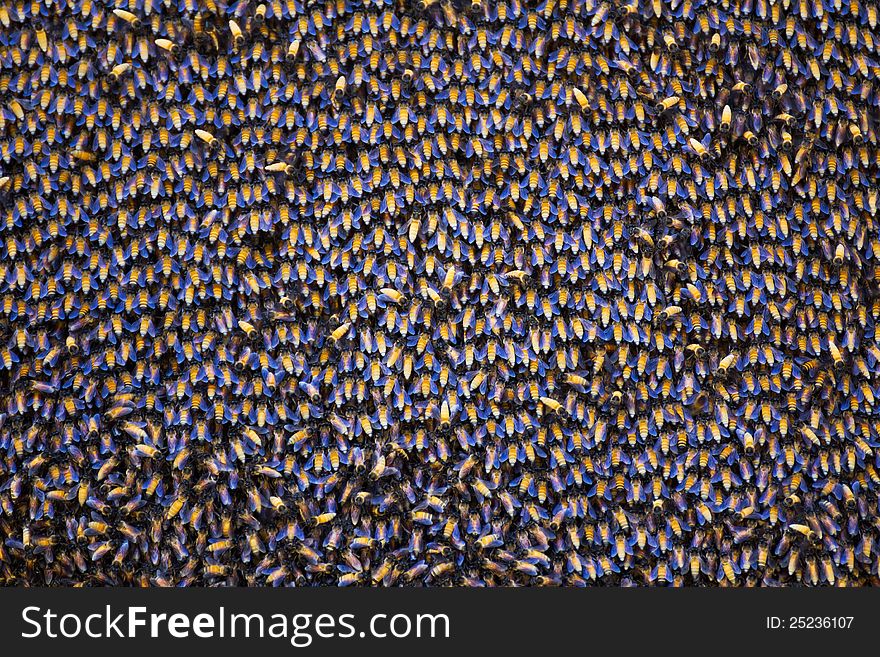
(485, 622)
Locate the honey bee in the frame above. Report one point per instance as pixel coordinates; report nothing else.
(444, 293)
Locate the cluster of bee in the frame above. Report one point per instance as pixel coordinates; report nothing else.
(384, 292)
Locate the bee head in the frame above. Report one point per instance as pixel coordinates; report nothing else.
(523, 100)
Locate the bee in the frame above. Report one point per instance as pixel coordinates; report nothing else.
(237, 35)
(339, 90)
(208, 138)
(169, 46)
(129, 18)
(118, 71)
(667, 103)
(446, 293)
